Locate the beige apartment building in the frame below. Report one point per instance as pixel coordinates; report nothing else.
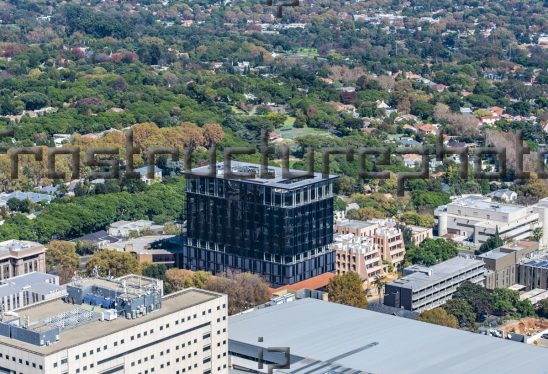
(385, 234)
(420, 234)
(357, 254)
(18, 257)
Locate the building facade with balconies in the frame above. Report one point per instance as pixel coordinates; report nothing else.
(385, 234)
(359, 255)
(422, 288)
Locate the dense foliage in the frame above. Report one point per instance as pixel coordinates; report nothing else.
(70, 218)
(431, 252)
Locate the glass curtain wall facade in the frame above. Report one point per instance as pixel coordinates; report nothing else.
(280, 233)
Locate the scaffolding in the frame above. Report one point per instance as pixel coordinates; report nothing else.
(67, 320)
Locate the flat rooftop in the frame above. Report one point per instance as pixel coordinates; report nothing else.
(96, 329)
(355, 224)
(276, 179)
(140, 244)
(494, 254)
(35, 282)
(11, 246)
(485, 203)
(420, 279)
(539, 262)
(327, 336)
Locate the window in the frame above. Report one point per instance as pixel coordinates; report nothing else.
(64, 361)
(77, 357)
(138, 335)
(161, 328)
(105, 348)
(54, 364)
(122, 341)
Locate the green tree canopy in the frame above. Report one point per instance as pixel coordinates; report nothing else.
(438, 316)
(347, 289)
(61, 259)
(114, 263)
(462, 310)
(431, 252)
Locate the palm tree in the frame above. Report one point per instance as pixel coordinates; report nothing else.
(379, 282)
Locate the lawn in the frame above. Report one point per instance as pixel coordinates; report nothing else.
(290, 132)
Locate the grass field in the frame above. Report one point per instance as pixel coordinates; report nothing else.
(288, 132)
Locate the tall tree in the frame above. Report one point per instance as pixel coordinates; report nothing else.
(213, 134)
(462, 310)
(347, 289)
(477, 296)
(157, 271)
(61, 259)
(114, 263)
(379, 282)
(491, 243)
(178, 279)
(244, 290)
(440, 317)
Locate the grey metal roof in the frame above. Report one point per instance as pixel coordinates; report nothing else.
(19, 195)
(420, 279)
(34, 282)
(331, 335)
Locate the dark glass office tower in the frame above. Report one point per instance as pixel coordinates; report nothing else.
(275, 227)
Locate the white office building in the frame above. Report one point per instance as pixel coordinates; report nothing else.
(22, 290)
(118, 326)
(476, 218)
